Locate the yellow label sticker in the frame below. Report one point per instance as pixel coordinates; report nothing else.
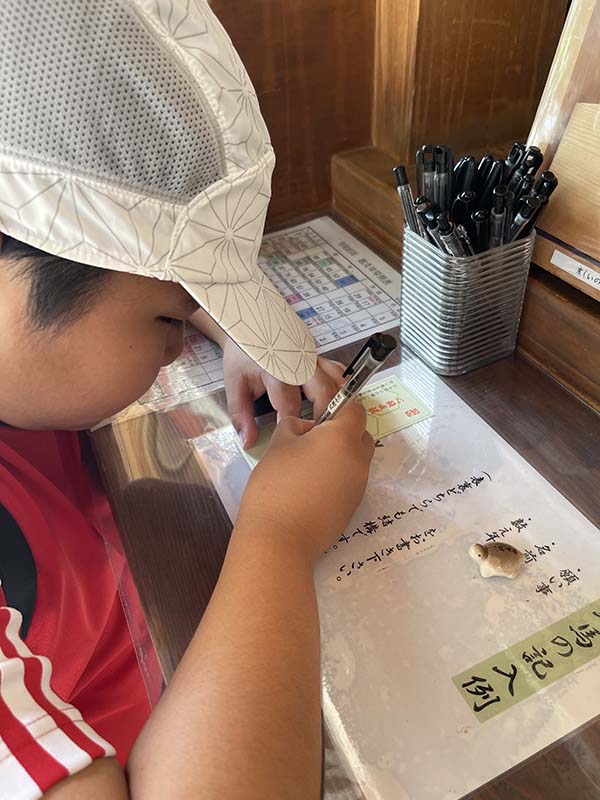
(390, 407)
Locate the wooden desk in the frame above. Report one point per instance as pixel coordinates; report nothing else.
(175, 530)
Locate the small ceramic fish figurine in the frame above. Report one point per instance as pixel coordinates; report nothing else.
(497, 558)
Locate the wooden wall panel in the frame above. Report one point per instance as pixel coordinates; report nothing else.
(460, 72)
(311, 62)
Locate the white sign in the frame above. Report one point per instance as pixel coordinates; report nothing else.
(582, 272)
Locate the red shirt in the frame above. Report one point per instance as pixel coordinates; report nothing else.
(89, 699)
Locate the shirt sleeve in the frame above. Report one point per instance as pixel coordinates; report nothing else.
(42, 739)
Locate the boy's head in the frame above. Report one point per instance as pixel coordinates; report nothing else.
(80, 343)
(134, 158)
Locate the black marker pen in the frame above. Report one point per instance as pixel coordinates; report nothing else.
(462, 208)
(545, 184)
(526, 211)
(532, 160)
(481, 229)
(513, 160)
(543, 198)
(524, 188)
(371, 358)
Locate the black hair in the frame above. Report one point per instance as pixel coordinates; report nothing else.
(60, 290)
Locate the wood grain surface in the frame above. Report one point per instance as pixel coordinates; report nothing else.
(311, 62)
(463, 73)
(175, 530)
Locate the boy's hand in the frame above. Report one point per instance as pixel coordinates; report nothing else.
(309, 482)
(245, 381)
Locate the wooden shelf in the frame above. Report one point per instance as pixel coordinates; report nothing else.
(560, 327)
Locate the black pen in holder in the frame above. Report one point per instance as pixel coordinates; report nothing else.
(461, 312)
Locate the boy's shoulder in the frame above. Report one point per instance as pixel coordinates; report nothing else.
(59, 599)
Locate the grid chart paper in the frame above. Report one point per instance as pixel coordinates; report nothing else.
(342, 294)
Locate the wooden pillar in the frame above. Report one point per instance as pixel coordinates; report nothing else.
(465, 73)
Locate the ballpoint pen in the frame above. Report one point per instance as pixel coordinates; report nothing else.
(498, 216)
(433, 229)
(516, 179)
(450, 238)
(524, 188)
(406, 199)
(442, 179)
(421, 210)
(526, 211)
(422, 226)
(513, 160)
(425, 170)
(494, 177)
(372, 357)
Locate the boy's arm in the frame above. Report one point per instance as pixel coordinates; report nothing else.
(241, 717)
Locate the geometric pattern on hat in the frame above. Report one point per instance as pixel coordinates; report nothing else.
(207, 239)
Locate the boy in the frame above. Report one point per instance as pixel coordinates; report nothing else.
(134, 181)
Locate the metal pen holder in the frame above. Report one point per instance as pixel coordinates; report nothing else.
(458, 314)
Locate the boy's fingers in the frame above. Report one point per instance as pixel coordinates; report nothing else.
(368, 442)
(334, 369)
(285, 399)
(353, 417)
(293, 426)
(240, 403)
(319, 391)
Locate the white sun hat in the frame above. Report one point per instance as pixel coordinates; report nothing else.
(131, 139)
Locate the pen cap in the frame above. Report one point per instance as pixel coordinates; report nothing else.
(516, 153)
(422, 209)
(500, 197)
(462, 207)
(445, 226)
(532, 159)
(485, 163)
(546, 183)
(525, 187)
(480, 223)
(442, 158)
(401, 177)
(385, 345)
(529, 206)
